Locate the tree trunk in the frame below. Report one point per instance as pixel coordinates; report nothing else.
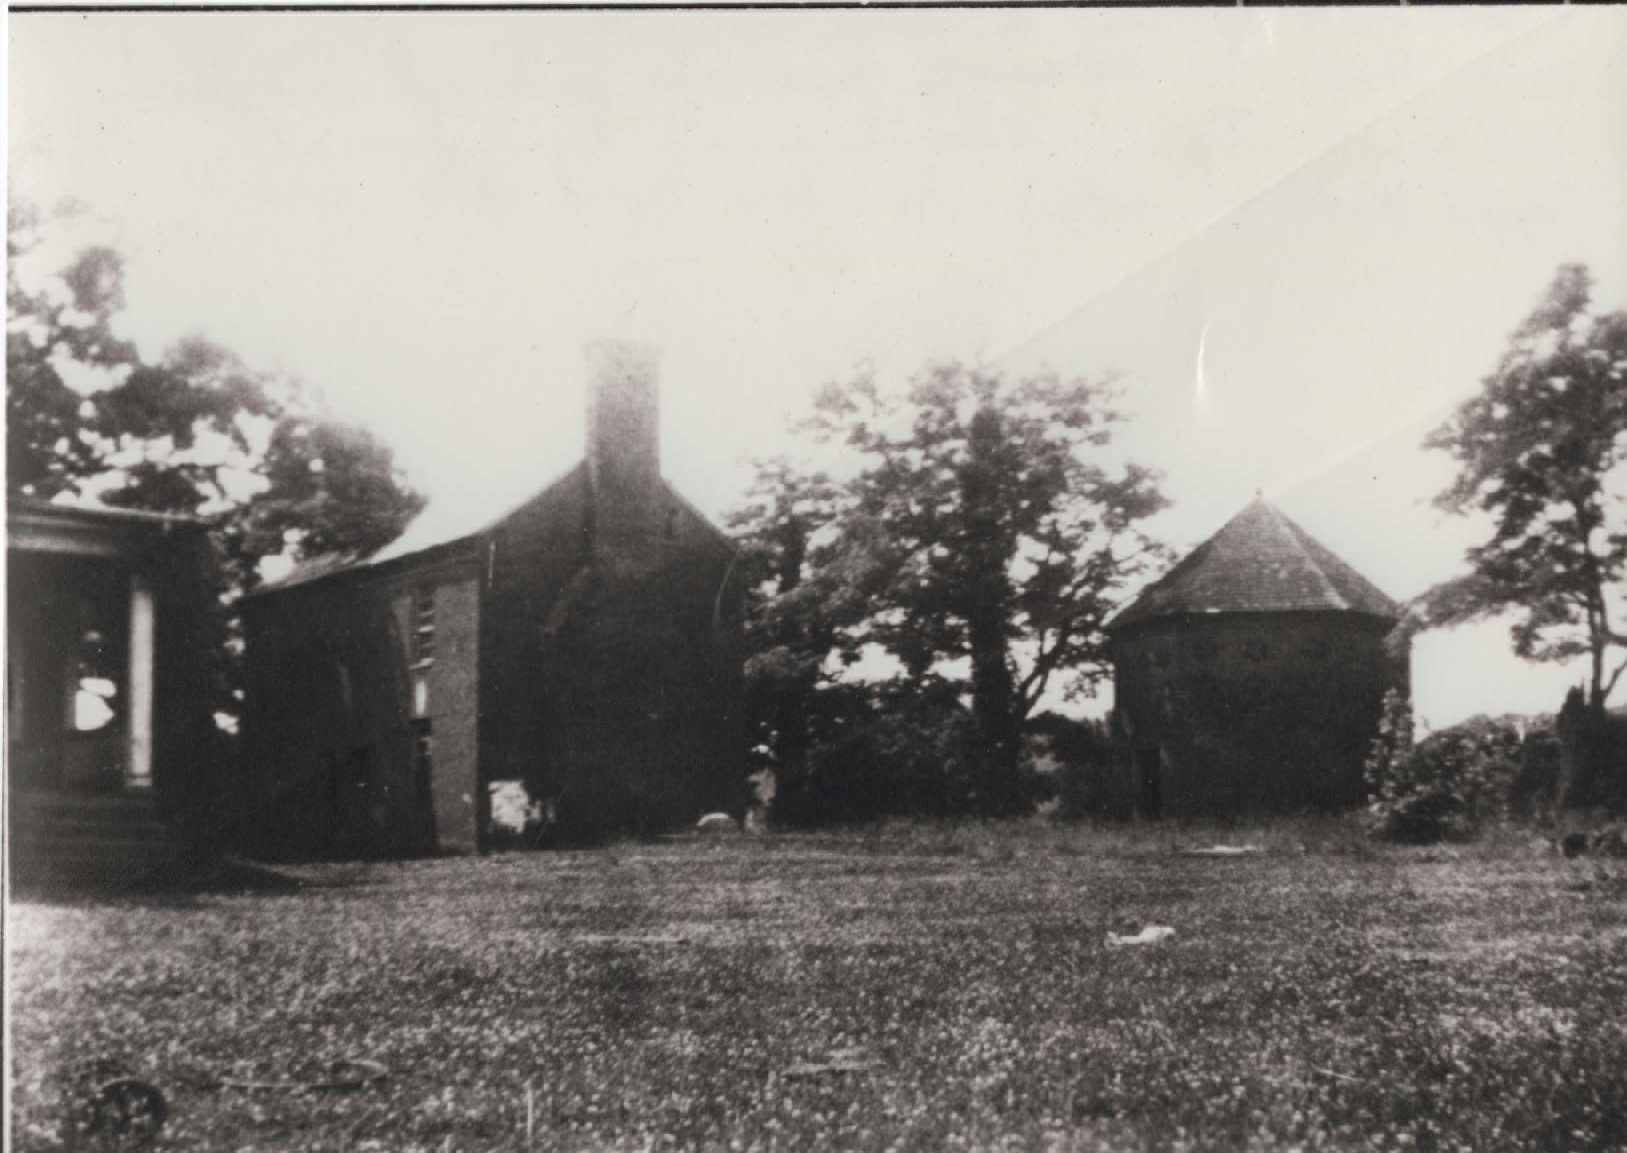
(989, 548)
(993, 707)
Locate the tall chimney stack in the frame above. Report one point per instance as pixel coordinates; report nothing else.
(624, 445)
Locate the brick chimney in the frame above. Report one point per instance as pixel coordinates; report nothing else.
(624, 448)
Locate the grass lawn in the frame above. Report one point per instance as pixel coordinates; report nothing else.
(913, 987)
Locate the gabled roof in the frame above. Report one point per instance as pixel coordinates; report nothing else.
(440, 524)
(1259, 562)
(442, 527)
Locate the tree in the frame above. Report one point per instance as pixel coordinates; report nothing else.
(195, 432)
(66, 321)
(1542, 452)
(978, 543)
(790, 626)
(330, 489)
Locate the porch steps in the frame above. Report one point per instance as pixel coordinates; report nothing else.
(104, 840)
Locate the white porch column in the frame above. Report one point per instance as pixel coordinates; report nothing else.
(143, 643)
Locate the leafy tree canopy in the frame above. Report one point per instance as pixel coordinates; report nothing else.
(195, 431)
(979, 540)
(1542, 453)
(792, 606)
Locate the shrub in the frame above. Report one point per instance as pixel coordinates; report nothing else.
(1447, 787)
(1388, 764)
(1081, 752)
(900, 757)
(909, 762)
(1536, 785)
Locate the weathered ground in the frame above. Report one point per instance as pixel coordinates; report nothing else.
(1321, 994)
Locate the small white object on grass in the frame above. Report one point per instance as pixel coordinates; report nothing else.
(1224, 851)
(853, 1059)
(717, 823)
(1151, 935)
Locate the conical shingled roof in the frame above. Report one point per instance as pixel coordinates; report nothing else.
(1259, 562)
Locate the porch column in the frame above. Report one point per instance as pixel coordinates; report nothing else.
(143, 635)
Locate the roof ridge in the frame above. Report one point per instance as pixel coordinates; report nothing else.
(1258, 561)
(1293, 530)
(329, 565)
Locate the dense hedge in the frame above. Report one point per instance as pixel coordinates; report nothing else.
(1456, 781)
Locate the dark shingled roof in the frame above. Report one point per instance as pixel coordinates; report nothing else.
(434, 529)
(435, 526)
(1260, 562)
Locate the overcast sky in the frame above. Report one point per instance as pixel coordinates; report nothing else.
(427, 215)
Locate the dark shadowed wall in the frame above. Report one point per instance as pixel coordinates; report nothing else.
(1240, 712)
(338, 704)
(530, 561)
(612, 674)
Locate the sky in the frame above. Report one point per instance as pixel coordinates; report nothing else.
(1297, 237)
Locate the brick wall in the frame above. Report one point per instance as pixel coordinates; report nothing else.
(329, 741)
(530, 563)
(612, 662)
(652, 667)
(1254, 711)
(449, 696)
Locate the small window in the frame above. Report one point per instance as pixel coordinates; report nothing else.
(423, 625)
(672, 524)
(1318, 649)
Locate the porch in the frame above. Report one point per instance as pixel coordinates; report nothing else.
(107, 707)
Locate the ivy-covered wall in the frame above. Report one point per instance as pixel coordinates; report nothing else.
(1246, 712)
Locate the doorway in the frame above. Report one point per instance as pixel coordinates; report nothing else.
(68, 707)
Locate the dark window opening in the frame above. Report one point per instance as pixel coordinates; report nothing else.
(672, 524)
(423, 625)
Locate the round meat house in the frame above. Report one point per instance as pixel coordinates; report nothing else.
(1251, 677)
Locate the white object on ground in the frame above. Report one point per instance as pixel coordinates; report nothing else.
(512, 808)
(1224, 851)
(854, 1059)
(1151, 935)
(717, 823)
